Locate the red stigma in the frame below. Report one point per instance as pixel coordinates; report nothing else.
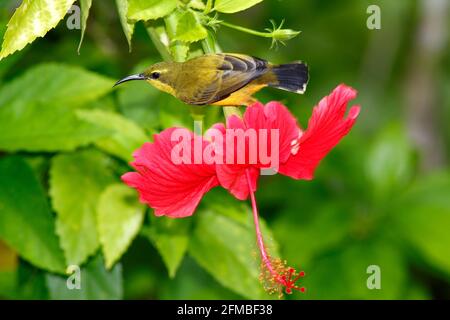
(289, 279)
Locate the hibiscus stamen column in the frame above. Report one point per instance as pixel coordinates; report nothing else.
(279, 275)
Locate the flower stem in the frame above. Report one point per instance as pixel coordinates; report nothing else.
(259, 238)
(284, 277)
(247, 30)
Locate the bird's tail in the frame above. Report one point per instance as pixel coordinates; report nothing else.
(291, 76)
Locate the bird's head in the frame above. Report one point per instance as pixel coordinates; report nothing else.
(161, 75)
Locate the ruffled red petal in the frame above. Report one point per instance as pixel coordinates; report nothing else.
(326, 127)
(170, 188)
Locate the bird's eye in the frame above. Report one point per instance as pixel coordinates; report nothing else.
(155, 75)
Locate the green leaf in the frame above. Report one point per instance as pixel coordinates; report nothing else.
(196, 4)
(329, 221)
(41, 118)
(422, 218)
(390, 162)
(125, 135)
(57, 84)
(33, 19)
(178, 49)
(171, 238)
(76, 183)
(26, 222)
(189, 28)
(193, 283)
(85, 7)
(30, 283)
(128, 27)
(140, 104)
(38, 127)
(226, 248)
(232, 6)
(343, 274)
(119, 218)
(150, 9)
(96, 283)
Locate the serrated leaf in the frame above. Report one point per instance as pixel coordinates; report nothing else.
(85, 7)
(33, 19)
(37, 127)
(125, 137)
(56, 84)
(96, 282)
(76, 183)
(150, 9)
(119, 218)
(171, 238)
(226, 248)
(232, 6)
(26, 222)
(189, 28)
(128, 27)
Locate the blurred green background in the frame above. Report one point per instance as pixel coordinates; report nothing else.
(382, 196)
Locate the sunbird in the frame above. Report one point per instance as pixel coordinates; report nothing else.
(223, 79)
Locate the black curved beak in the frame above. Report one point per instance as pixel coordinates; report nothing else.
(132, 77)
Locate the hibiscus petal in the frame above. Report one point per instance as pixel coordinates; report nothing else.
(231, 172)
(326, 127)
(234, 179)
(171, 189)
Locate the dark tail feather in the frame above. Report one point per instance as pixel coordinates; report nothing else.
(291, 77)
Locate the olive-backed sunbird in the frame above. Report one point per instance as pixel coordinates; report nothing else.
(223, 79)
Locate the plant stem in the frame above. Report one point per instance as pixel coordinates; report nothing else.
(160, 46)
(247, 30)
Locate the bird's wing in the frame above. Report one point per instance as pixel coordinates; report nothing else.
(223, 75)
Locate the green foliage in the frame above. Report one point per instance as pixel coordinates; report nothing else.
(344, 274)
(39, 127)
(125, 136)
(189, 29)
(66, 137)
(55, 84)
(423, 216)
(76, 182)
(128, 27)
(26, 223)
(140, 105)
(150, 9)
(389, 164)
(119, 218)
(85, 6)
(33, 19)
(41, 118)
(223, 243)
(232, 6)
(96, 283)
(171, 238)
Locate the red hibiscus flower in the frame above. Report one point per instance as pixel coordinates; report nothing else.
(178, 168)
(171, 189)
